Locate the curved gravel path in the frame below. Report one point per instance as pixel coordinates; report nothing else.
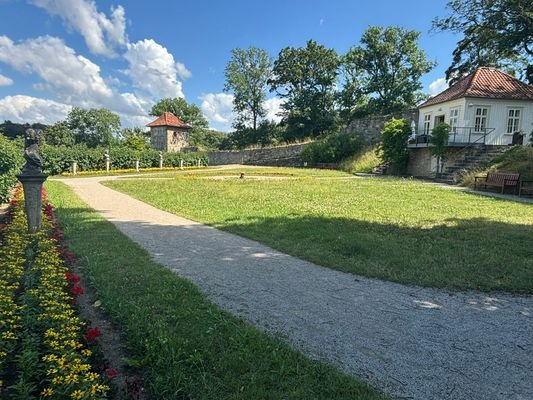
(410, 342)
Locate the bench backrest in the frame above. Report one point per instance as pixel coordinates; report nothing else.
(501, 178)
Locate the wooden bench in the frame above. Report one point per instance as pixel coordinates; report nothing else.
(501, 180)
(526, 188)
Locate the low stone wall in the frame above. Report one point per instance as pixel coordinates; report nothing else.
(283, 156)
(370, 127)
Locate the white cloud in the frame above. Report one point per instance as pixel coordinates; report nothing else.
(153, 69)
(218, 109)
(437, 86)
(72, 78)
(101, 33)
(5, 81)
(58, 65)
(273, 108)
(182, 71)
(24, 109)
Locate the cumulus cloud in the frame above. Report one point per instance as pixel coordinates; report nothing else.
(218, 109)
(101, 32)
(437, 86)
(182, 71)
(5, 81)
(153, 70)
(72, 78)
(273, 108)
(30, 109)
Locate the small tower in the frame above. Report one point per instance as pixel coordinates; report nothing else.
(169, 133)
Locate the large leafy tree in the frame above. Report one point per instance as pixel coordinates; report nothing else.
(247, 74)
(495, 33)
(94, 127)
(305, 77)
(385, 70)
(189, 113)
(59, 134)
(135, 139)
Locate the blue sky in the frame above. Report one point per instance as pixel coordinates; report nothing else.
(125, 55)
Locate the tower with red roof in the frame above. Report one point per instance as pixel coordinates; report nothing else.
(169, 133)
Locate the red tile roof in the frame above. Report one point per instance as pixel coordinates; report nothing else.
(169, 119)
(485, 82)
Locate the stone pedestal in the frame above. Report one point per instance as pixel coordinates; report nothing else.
(33, 184)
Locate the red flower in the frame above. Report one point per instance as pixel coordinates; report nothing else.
(69, 258)
(72, 277)
(92, 333)
(111, 373)
(77, 290)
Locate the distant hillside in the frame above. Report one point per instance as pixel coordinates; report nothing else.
(12, 130)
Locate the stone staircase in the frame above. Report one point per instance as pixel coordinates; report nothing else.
(470, 158)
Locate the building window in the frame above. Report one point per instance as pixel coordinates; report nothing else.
(480, 120)
(454, 119)
(427, 123)
(513, 120)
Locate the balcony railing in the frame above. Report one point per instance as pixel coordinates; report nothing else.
(459, 136)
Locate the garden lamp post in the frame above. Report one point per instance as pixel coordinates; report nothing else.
(32, 179)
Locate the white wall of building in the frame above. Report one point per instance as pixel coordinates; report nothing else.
(497, 117)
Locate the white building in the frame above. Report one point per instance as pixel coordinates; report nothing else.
(485, 107)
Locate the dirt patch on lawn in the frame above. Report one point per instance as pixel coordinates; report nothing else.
(247, 177)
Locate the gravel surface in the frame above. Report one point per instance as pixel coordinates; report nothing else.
(410, 342)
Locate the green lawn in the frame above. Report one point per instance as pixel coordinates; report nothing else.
(187, 347)
(394, 229)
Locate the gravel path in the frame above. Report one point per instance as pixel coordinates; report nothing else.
(410, 342)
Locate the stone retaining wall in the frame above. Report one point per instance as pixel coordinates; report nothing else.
(283, 156)
(370, 127)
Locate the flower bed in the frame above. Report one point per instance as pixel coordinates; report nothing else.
(43, 350)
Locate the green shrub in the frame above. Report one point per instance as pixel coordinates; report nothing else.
(394, 145)
(10, 162)
(58, 159)
(364, 161)
(439, 144)
(332, 149)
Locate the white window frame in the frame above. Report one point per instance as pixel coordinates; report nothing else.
(514, 120)
(481, 120)
(454, 119)
(427, 123)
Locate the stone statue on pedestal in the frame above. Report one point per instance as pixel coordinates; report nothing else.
(32, 179)
(34, 161)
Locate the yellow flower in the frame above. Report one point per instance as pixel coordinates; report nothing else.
(47, 392)
(77, 394)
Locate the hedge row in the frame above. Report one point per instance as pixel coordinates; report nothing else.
(58, 159)
(10, 163)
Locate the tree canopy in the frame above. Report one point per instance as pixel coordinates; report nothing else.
(94, 127)
(59, 134)
(305, 77)
(383, 73)
(496, 33)
(189, 113)
(247, 74)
